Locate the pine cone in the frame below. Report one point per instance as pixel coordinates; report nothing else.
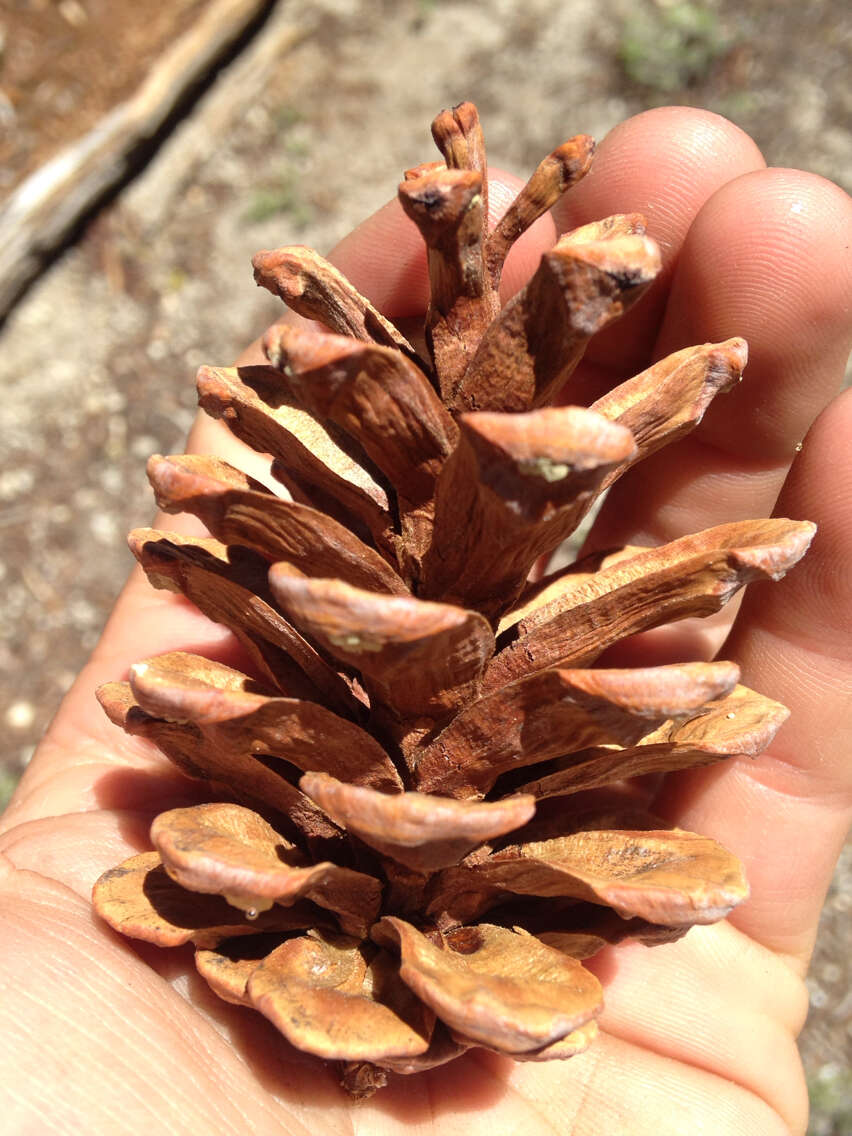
(380, 871)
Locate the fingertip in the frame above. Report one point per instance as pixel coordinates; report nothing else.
(786, 234)
(767, 258)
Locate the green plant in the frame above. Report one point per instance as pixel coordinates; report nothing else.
(8, 781)
(666, 47)
(830, 1091)
(282, 196)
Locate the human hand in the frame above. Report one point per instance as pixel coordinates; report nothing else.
(104, 1035)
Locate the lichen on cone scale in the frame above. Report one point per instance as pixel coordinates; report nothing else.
(418, 825)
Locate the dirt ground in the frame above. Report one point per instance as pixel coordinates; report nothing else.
(160, 281)
(66, 64)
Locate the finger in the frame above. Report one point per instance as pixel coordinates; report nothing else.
(785, 814)
(664, 163)
(765, 260)
(768, 256)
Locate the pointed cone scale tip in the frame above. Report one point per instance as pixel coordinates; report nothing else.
(303, 349)
(458, 121)
(205, 468)
(418, 830)
(181, 688)
(331, 600)
(608, 228)
(545, 441)
(174, 480)
(214, 390)
(579, 149)
(439, 198)
(279, 261)
(142, 542)
(734, 351)
(634, 258)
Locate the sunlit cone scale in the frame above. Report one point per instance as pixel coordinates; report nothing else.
(418, 824)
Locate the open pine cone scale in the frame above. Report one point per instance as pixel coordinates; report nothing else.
(419, 821)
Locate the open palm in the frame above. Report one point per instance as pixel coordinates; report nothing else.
(99, 1035)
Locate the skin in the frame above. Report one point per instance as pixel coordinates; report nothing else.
(98, 1034)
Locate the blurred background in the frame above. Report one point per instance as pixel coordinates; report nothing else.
(149, 147)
